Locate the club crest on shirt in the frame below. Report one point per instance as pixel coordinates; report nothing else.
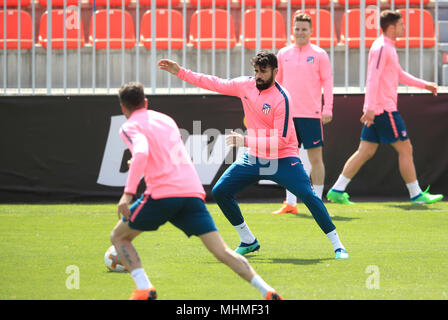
(266, 108)
(310, 59)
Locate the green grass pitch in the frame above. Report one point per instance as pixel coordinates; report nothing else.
(397, 251)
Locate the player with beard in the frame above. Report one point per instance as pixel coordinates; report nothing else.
(272, 146)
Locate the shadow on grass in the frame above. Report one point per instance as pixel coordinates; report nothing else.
(411, 207)
(336, 218)
(301, 262)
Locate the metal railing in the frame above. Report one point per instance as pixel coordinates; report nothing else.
(92, 70)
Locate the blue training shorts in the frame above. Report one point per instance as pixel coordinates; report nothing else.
(189, 214)
(309, 132)
(387, 128)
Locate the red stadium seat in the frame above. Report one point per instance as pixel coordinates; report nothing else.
(162, 36)
(357, 2)
(400, 2)
(209, 3)
(57, 29)
(429, 38)
(354, 33)
(159, 2)
(206, 35)
(324, 28)
(266, 25)
(115, 36)
(112, 3)
(263, 2)
(59, 3)
(299, 2)
(15, 3)
(12, 34)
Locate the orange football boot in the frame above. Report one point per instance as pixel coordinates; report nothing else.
(286, 208)
(272, 295)
(145, 294)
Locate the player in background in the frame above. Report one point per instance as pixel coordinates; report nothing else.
(273, 149)
(304, 70)
(381, 119)
(173, 193)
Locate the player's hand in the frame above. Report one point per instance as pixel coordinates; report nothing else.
(123, 205)
(234, 139)
(169, 65)
(326, 118)
(368, 117)
(432, 87)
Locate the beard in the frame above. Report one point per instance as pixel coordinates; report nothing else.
(263, 85)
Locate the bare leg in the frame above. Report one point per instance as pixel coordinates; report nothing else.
(365, 151)
(216, 245)
(121, 237)
(405, 160)
(317, 166)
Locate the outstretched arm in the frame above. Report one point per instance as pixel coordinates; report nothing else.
(208, 82)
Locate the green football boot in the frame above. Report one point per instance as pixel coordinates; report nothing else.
(341, 254)
(426, 198)
(338, 197)
(245, 248)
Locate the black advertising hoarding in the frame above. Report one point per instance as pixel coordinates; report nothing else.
(59, 148)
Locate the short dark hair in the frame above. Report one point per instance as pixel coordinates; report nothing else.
(265, 58)
(389, 17)
(132, 95)
(303, 17)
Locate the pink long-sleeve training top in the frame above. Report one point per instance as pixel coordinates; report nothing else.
(270, 129)
(159, 154)
(304, 71)
(383, 75)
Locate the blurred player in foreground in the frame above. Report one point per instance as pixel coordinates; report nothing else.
(173, 193)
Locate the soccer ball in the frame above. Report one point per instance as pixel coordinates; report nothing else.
(112, 262)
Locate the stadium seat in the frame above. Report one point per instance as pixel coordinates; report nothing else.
(324, 28)
(267, 39)
(57, 29)
(112, 3)
(358, 2)
(162, 36)
(206, 40)
(414, 29)
(15, 3)
(354, 33)
(159, 2)
(411, 2)
(59, 3)
(299, 2)
(115, 35)
(209, 3)
(263, 2)
(12, 39)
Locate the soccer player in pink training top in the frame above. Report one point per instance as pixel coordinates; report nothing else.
(273, 149)
(304, 69)
(173, 193)
(382, 121)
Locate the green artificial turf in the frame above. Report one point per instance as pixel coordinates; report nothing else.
(397, 251)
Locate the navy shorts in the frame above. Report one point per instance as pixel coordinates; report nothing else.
(189, 214)
(387, 128)
(309, 132)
